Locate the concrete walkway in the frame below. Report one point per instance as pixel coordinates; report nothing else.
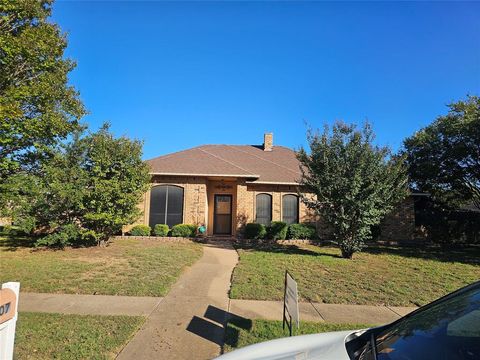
(188, 322)
(88, 304)
(359, 314)
(251, 309)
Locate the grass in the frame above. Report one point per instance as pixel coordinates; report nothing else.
(58, 336)
(242, 332)
(125, 267)
(377, 276)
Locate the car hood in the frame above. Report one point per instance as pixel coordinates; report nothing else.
(325, 346)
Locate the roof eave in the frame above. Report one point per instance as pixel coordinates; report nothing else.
(206, 175)
(273, 183)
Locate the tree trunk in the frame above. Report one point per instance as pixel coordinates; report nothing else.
(347, 254)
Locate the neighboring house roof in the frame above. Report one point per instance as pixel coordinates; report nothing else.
(279, 165)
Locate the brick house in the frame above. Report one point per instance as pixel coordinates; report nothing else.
(226, 186)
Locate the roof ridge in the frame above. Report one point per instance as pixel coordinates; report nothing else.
(272, 162)
(175, 153)
(224, 160)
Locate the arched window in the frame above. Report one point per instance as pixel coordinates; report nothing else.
(166, 205)
(290, 209)
(264, 209)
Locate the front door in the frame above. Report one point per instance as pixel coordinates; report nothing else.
(222, 215)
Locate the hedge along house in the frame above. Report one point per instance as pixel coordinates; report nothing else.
(226, 186)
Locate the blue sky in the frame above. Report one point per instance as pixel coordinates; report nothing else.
(181, 74)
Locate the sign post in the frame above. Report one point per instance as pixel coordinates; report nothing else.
(8, 318)
(290, 303)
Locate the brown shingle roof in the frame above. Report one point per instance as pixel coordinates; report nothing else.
(277, 166)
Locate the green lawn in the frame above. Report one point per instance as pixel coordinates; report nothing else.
(379, 275)
(126, 267)
(58, 336)
(242, 332)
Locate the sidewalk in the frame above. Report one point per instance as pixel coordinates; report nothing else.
(251, 309)
(88, 304)
(334, 313)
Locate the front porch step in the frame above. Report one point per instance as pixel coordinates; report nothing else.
(217, 238)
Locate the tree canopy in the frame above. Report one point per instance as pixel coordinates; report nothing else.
(444, 158)
(84, 193)
(355, 183)
(37, 105)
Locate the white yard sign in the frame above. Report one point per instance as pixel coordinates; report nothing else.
(291, 302)
(8, 318)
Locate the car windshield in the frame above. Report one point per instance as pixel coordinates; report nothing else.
(449, 329)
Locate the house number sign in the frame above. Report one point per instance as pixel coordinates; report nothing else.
(224, 187)
(7, 305)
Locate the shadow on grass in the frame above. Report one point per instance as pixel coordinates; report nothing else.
(466, 255)
(232, 331)
(287, 249)
(10, 242)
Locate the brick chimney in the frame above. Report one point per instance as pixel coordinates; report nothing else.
(268, 142)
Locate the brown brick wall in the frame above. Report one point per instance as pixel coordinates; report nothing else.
(5, 221)
(245, 203)
(399, 225)
(199, 198)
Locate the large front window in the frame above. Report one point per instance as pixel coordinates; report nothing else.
(166, 205)
(290, 209)
(264, 209)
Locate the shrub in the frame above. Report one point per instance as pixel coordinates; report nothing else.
(277, 230)
(301, 231)
(141, 230)
(65, 235)
(255, 231)
(161, 230)
(193, 230)
(9, 230)
(183, 230)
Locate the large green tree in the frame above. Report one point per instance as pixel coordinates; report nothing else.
(84, 192)
(354, 183)
(444, 157)
(37, 105)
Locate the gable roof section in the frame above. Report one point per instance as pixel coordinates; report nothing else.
(247, 161)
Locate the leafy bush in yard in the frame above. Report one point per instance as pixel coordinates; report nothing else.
(9, 230)
(161, 230)
(141, 230)
(63, 236)
(277, 230)
(302, 231)
(193, 230)
(183, 230)
(255, 231)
